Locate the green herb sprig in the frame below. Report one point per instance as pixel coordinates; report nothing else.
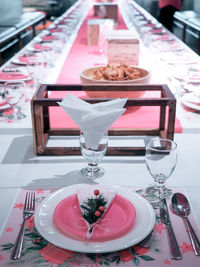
(93, 208)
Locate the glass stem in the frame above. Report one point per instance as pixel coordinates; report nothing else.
(92, 167)
(160, 187)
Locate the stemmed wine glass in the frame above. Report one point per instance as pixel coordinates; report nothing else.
(14, 93)
(161, 159)
(93, 157)
(35, 67)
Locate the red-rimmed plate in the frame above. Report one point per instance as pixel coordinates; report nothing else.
(55, 30)
(39, 48)
(143, 225)
(191, 100)
(25, 60)
(49, 38)
(68, 220)
(7, 76)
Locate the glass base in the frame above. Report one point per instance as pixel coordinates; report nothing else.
(93, 174)
(154, 195)
(16, 116)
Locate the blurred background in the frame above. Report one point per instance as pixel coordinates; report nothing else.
(15, 14)
(12, 14)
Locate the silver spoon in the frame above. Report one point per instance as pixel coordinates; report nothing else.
(181, 207)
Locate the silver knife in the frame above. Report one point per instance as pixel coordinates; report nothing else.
(175, 253)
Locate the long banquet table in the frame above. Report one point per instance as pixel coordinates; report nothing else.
(21, 170)
(76, 55)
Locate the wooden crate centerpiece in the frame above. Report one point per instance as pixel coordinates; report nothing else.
(42, 104)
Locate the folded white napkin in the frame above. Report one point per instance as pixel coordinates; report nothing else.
(93, 119)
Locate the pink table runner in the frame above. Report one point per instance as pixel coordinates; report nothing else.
(82, 56)
(39, 252)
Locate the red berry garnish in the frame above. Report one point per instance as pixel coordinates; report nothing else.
(96, 192)
(101, 208)
(97, 213)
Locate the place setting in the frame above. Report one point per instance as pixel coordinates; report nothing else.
(14, 85)
(95, 235)
(79, 224)
(99, 148)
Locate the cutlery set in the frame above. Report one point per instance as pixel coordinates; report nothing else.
(28, 211)
(164, 216)
(181, 207)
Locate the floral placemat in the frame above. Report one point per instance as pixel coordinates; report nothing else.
(37, 252)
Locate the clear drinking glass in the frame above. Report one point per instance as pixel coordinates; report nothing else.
(93, 157)
(15, 96)
(35, 67)
(161, 159)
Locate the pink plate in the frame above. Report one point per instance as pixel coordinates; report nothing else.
(56, 30)
(39, 47)
(118, 220)
(49, 38)
(25, 60)
(4, 76)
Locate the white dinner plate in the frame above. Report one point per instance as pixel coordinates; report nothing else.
(18, 62)
(191, 100)
(144, 223)
(179, 58)
(4, 107)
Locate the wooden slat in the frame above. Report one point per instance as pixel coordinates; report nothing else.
(75, 151)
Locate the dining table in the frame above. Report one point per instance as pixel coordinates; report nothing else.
(21, 170)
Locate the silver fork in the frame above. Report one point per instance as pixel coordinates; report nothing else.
(28, 211)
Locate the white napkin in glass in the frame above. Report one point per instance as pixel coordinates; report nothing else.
(93, 119)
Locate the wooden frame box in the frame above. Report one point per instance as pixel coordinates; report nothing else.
(42, 132)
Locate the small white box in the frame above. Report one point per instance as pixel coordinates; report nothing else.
(123, 47)
(98, 29)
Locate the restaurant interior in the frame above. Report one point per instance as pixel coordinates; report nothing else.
(99, 133)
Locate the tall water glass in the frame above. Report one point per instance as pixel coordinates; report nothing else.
(93, 157)
(161, 159)
(35, 68)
